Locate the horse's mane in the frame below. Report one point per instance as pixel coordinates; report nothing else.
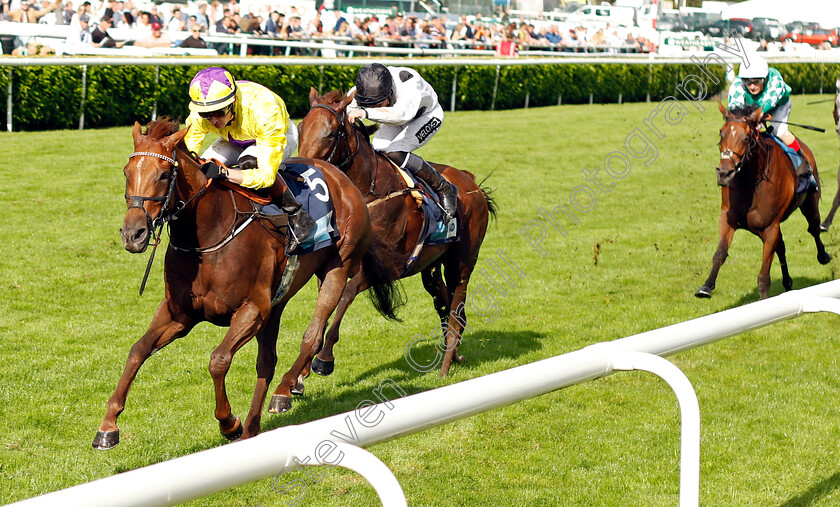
(743, 111)
(332, 98)
(162, 127)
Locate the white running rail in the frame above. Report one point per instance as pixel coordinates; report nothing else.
(224, 467)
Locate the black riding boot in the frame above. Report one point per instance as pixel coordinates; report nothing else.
(300, 222)
(447, 191)
(804, 175)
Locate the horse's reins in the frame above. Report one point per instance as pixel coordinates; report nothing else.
(137, 201)
(156, 225)
(342, 136)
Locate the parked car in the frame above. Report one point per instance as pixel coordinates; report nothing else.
(798, 26)
(735, 26)
(670, 22)
(768, 29)
(813, 36)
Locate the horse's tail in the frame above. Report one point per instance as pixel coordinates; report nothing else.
(385, 291)
(488, 196)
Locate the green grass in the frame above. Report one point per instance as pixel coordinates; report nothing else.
(770, 420)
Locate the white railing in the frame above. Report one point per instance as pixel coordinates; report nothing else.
(286, 448)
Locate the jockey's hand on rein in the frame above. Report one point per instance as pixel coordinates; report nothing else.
(214, 171)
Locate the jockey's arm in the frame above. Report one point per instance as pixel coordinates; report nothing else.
(268, 126)
(737, 94)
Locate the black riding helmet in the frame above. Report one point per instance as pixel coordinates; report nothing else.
(373, 85)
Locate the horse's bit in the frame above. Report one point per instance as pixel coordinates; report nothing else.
(137, 201)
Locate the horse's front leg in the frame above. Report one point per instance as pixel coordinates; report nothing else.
(266, 362)
(811, 210)
(324, 362)
(836, 204)
(244, 324)
(163, 330)
(787, 281)
(770, 236)
(726, 234)
(331, 290)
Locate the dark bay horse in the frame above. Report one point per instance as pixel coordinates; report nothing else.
(758, 185)
(224, 277)
(326, 133)
(836, 203)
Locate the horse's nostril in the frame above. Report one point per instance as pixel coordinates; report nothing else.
(140, 233)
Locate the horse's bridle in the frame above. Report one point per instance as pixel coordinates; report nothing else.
(137, 201)
(727, 154)
(341, 135)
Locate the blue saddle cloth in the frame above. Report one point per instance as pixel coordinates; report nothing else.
(802, 184)
(309, 187)
(435, 230)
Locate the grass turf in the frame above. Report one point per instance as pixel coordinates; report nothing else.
(767, 398)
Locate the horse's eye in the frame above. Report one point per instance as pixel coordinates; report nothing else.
(334, 133)
(164, 176)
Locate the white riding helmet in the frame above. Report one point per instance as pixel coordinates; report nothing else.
(756, 68)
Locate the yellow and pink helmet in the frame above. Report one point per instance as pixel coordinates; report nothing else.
(212, 89)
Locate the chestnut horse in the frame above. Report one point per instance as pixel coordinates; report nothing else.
(225, 267)
(327, 134)
(759, 183)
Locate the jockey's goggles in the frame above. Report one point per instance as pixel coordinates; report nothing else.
(215, 114)
(752, 81)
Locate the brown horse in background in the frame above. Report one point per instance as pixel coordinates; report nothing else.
(225, 267)
(327, 134)
(759, 183)
(836, 204)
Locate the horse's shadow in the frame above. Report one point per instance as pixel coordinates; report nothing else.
(776, 289)
(479, 347)
(815, 492)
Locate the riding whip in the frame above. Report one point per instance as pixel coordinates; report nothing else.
(800, 126)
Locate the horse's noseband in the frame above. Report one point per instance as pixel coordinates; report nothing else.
(137, 201)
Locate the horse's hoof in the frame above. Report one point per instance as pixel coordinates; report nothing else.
(824, 258)
(824, 226)
(322, 368)
(703, 292)
(458, 359)
(298, 389)
(106, 440)
(235, 433)
(279, 404)
(788, 285)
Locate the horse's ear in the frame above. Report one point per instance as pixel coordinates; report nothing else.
(346, 100)
(756, 115)
(313, 95)
(722, 108)
(173, 140)
(135, 132)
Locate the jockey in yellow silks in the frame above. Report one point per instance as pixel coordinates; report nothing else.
(254, 131)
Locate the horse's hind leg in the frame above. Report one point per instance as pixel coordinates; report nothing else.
(811, 209)
(836, 204)
(456, 319)
(163, 330)
(331, 290)
(726, 233)
(787, 281)
(266, 362)
(433, 283)
(245, 323)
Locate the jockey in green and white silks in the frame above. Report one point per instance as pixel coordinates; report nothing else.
(758, 84)
(254, 132)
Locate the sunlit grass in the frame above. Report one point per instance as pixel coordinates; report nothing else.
(768, 398)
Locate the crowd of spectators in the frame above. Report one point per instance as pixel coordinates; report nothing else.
(150, 25)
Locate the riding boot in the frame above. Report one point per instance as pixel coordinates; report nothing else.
(301, 223)
(804, 174)
(447, 191)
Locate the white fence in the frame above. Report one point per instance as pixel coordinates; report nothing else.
(217, 469)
